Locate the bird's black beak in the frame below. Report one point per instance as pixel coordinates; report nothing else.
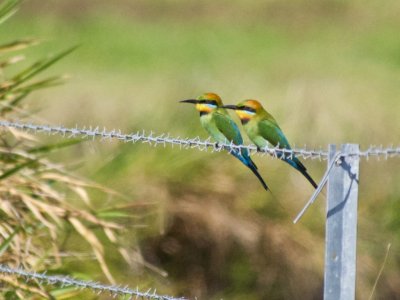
(193, 101)
(234, 107)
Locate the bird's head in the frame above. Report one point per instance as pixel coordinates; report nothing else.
(246, 110)
(205, 103)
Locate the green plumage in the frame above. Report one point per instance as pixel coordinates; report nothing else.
(262, 128)
(221, 127)
(217, 122)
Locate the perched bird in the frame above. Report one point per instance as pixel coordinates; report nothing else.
(217, 122)
(261, 127)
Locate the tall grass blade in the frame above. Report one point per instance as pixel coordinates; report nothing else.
(51, 147)
(4, 245)
(17, 45)
(15, 169)
(8, 8)
(39, 67)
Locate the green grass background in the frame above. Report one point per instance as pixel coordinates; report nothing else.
(328, 71)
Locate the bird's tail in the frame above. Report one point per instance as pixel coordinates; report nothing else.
(296, 163)
(252, 166)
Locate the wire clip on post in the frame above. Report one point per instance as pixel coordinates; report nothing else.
(321, 185)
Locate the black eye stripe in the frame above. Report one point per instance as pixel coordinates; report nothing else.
(247, 108)
(212, 102)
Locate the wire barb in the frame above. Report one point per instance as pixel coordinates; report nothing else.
(190, 143)
(96, 287)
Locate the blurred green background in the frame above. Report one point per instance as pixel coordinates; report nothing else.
(329, 71)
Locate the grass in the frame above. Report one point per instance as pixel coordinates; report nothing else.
(327, 72)
(42, 204)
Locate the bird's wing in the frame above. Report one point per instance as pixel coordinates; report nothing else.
(273, 134)
(228, 128)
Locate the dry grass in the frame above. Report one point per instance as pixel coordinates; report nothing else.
(39, 199)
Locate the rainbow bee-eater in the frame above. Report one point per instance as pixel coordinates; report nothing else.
(261, 127)
(217, 122)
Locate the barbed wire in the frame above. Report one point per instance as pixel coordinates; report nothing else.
(192, 143)
(98, 288)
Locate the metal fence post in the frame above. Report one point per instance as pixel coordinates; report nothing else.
(341, 225)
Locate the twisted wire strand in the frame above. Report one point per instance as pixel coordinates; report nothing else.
(192, 143)
(65, 281)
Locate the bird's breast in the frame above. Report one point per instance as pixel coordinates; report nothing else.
(205, 118)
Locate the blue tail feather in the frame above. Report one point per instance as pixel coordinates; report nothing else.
(246, 160)
(296, 163)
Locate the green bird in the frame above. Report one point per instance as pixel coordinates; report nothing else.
(261, 127)
(217, 122)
